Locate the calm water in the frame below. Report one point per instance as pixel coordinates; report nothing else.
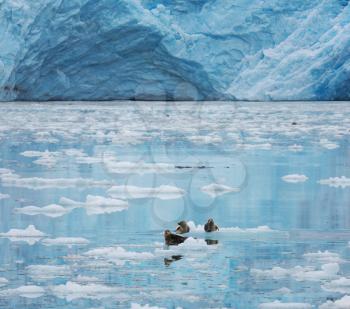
(281, 202)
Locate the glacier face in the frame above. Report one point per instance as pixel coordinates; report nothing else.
(174, 49)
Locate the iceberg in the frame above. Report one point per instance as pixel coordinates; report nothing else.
(174, 50)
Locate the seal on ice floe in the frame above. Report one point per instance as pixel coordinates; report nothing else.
(173, 239)
(210, 226)
(182, 227)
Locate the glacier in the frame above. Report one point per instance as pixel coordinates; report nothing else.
(174, 50)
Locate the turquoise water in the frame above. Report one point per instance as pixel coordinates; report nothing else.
(283, 242)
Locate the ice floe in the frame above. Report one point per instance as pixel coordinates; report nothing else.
(27, 291)
(4, 196)
(163, 192)
(254, 230)
(47, 272)
(11, 179)
(325, 143)
(343, 303)
(309, 273)
(216, 189)
(336, 182)
(279, 305)
(295, 148)
(72, 290)
(294, 178)
(30, 235)
(52, 211)
(46, 157)
(95, 205)
(341, 285)
(65, 241)
(324, 257)
(138, 306)
(118, 255)
(3, 281)
(126, 167)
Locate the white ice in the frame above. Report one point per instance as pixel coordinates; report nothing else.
(3, 281)
(27, 291)
(118, 255)
(95, 205)
(216, 189)
(163, 192)
(72, 290)
(341, 285)
(324, 257)
(52, 210)
(294, 178)
(336, 182)
(343, 303)
(327, 272)
(47, 272)
(65, 241)
(279, 305)
(30, 235)
(4, 196)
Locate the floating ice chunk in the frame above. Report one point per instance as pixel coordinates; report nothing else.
(294, 178)
(118, 255)
(95, 205)
(4, 171)
(259, 146)
(30, 235)
(328, 145)
(45, 157)
(336, 182)
(4, 196)
(295, 148)
(52, 210)
(343, 303)
(137, 306)
(27, 291)
(65, 241)
(162, 192)
(71, 291)
(3, 281)
(47, 272)
(284, 290)
(216, 189)
(125, 167)
(254, 230)
(72, 152)
(324, 257)
(341, 285)
(299, 273)
(279, 305)
(13, 180)
(85, 279)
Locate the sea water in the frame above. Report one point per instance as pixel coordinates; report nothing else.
(87, 189)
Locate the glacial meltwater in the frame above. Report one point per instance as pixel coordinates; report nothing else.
(87, 189)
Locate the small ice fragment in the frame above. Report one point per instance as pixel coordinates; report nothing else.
(216, 189)
(52, 210)
(65, 241)
(163, 192)
(4, 196)
(27, 291)
(336, 182)
(294, 178)
(279, 305)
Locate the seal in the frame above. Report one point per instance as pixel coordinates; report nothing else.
(210, 226)
(182, 228)
(173, 239)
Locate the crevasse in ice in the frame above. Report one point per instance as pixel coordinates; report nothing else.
(174, 49)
